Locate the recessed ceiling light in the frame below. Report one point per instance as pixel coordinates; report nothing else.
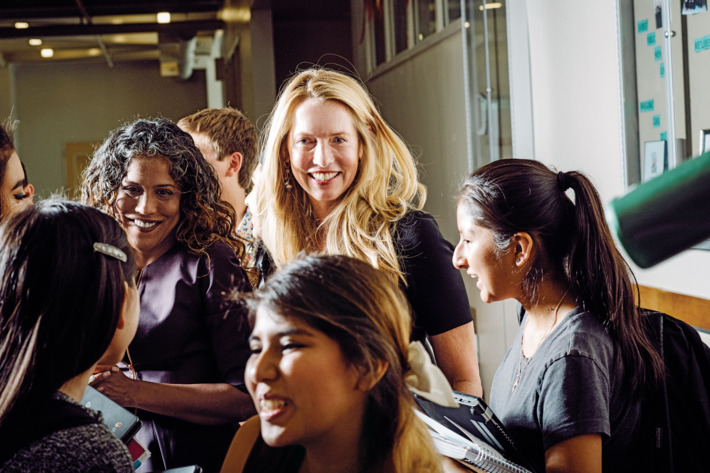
(35, 42)
(47, 52)
(490, 6)
(94, 51)
(22, 25)
(164, 17)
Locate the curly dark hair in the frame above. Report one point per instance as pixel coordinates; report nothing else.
(204, 218)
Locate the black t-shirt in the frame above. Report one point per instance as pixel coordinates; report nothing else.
(435, 288)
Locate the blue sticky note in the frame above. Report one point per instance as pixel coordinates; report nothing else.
(664, 136)
(651, 38)
(657, 54)
(643, 26)
(656, 121)
(646, 106)
(662, 68)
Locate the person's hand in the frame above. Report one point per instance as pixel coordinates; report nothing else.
(112, 382)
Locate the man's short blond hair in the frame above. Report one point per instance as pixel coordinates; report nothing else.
(228, 131)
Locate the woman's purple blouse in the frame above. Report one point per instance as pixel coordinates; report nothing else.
(189, 332)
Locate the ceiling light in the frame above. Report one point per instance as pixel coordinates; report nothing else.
(490, 6)
(22, 25)
(94, 51)
(35, 42)
(47, 52)
(164, 17)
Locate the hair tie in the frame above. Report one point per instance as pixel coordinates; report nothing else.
(110, 250)
(426, 379)
(563, 181)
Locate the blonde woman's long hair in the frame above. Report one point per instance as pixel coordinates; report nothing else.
(368, 316)
(363, 221)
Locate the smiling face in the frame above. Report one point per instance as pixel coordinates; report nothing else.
(324, 150)
(15, 193)
(148, 206)
(477, 253)
(304, 390)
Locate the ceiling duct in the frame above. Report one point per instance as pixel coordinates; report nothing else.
(177, 55)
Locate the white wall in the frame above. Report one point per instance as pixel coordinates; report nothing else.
(576, 90)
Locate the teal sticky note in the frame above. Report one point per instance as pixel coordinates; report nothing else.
(664, 136)
(643, 26)
(662, 68)
(657, 54)
(651, 38)
(701, 44)
(656, 121)
(646, 106)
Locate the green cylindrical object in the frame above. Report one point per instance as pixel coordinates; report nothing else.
(666, 215)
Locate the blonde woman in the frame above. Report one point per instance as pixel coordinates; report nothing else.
(338, 180)
(327, 375)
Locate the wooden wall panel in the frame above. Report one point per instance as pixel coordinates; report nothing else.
(693, 310)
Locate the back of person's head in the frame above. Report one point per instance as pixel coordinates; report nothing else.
(572, 240)
(60, 298)
(204, 218)
(368, 316)
(228, 131)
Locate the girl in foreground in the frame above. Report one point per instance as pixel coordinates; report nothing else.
(330, 347)
(570, 387)
(68, 301)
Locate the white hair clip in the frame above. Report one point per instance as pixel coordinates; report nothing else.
(110, 250)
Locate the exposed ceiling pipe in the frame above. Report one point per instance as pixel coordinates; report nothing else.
(99, 39)
(179, 27)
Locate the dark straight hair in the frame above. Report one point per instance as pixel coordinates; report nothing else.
(60, 300)
(574, 241)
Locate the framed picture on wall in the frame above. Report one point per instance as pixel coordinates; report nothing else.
(704, 145)
(655, 159)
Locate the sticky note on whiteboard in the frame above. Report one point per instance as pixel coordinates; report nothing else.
(646, 106)
(643, 26)
(651, 38)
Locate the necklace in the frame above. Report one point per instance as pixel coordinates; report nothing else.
(521, 367)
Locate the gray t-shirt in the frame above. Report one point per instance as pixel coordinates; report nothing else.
(570, 387)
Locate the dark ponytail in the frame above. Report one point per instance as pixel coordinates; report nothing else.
(517, 195)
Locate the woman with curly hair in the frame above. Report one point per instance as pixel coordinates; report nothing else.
(338, 180)
(186, 363)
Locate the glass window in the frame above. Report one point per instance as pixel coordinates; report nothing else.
(400, 25)
(426, 18)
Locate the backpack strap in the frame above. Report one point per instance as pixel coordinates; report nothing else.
(48, 417)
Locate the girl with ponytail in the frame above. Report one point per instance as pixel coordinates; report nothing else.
(570, 387)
